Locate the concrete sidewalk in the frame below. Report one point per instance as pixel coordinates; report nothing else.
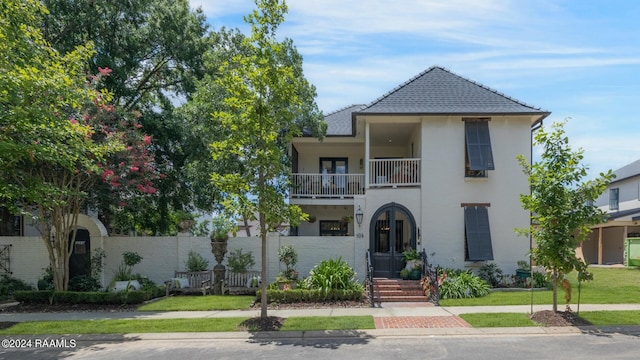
(385, 311)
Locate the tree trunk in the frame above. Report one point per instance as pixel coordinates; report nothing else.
(554, 275)
(263, 295)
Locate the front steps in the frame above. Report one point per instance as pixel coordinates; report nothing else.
(397, 290)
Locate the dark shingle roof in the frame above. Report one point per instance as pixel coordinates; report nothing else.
(627, 171)
(438, 91)
(339, 122)
(623, 213)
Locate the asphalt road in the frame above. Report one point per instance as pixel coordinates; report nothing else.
(354, 345)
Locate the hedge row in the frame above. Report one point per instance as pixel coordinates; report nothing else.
(75, 297)
(304, 295)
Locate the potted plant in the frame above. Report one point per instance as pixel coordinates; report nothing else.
(220, 229)
(524, 270)
(404, 274)
(123, 279)
(412, 259)
(289, 277)
(185, 220)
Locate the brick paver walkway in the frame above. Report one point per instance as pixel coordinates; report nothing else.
(420, 322)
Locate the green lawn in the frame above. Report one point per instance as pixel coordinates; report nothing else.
(181, 325)
(124, 326)
(598, 318)
(609, 286)
(328, 323)
(498, 320)
(200, 303)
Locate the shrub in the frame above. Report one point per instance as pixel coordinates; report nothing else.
(540, 280)
(240, 262)
(45, 282)
(332, 275)
(492, 274)
(289, 257)
(8, 285)
(310, 295)
(196, 262)
(84, 283)
(463, 285)
(74, 297)
(124, 271)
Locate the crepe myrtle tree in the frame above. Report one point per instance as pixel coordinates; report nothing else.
(561, 205)
(266, 102)
(58, 133)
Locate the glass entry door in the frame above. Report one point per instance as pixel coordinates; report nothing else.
(392, 232)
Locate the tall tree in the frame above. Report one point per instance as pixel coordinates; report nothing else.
(58, 134)
(266, 102)
(561, 205)
(154, 48)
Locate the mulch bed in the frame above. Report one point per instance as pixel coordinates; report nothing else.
(560, 318)
(269, 323)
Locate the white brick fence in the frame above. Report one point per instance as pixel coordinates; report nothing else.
(163, 255)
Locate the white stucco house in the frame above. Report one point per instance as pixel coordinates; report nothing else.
(431, 164)
(621, 201)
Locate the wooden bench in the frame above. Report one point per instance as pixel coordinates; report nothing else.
(242, 283)
(197, 281)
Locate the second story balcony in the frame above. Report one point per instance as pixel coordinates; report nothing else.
(383, 173)
(327, 185)
(394, 172)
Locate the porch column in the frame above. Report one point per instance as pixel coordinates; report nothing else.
(599, 246)
(366, 154)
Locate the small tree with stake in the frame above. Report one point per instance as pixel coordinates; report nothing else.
(267, 101)
(561, 207)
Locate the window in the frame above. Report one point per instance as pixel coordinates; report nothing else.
(10, 225)
(614, 197)
(478, 155)
(332, 183)
(333, 228)
(477, 234)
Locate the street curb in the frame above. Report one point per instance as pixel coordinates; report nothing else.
(267, 336)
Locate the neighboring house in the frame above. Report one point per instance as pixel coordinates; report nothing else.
(621, 201)
(431, 164)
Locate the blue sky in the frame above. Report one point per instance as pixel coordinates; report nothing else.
(579, 59)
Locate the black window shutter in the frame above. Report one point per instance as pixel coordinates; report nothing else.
(476, 220)
(479, 145)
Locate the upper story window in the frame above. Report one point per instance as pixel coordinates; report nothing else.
(11, 225)
(477, 234)
(614, 199)
(333, 165)
(338, 166)
(478, 155)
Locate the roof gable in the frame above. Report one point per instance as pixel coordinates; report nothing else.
(339, 122)
(627, 171)
(439, 91)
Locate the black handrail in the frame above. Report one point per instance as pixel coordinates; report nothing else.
(370, 279)
(431, 275)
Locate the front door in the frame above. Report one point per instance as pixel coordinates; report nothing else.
(393, 230)
(80, 260)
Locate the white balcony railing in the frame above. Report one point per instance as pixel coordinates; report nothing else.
(394, 172)
(327, 185)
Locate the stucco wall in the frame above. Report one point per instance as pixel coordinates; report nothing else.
(161, 256)
(445, 188)
(28, 257)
